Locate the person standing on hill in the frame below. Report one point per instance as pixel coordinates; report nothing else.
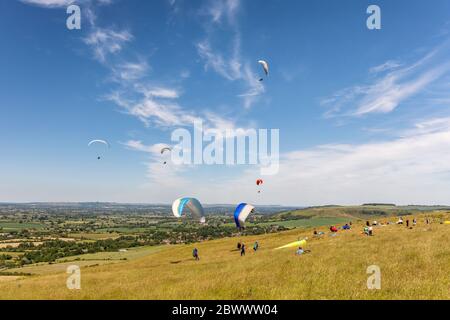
(243, 250)
(239, 245)
(256, 246)
(414, 221)
(407, 223)
(195, 254)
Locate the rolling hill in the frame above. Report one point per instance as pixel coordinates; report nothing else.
(414, 263)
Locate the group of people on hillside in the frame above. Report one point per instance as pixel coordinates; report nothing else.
(240, 246)
(368, 230)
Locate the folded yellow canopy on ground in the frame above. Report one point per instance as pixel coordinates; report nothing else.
(300, 243)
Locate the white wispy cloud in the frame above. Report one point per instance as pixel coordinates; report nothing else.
(228, 61)
(158, 92)
(229, 68)
(412, 168)
(107, 41)
(160, 171)
(218, 9)
(49, 3)
(255, 88)
(129, 71)
(137, 145)
(387, 66)
(387, 92)
(63, 3)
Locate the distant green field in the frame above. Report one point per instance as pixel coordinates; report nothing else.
(94, 236)
(16, 226)
(125, 229)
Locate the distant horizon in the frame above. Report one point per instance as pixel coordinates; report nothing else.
(226, 204)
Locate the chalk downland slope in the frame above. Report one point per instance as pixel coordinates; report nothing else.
(415, 264)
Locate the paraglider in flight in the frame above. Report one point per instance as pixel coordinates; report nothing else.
(103, 142)
(241, 213)
(265, 66)
(164, 150)
(194, 206)
(259, 182)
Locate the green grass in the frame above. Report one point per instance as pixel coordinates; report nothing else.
(93, 236)
(46, 269)
(86, 260)
(16, 226)
(130, 254)
(124, 230)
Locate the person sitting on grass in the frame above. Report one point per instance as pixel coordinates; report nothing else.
(333, 229)
(301, 251)
(317, 234)
(366, 231)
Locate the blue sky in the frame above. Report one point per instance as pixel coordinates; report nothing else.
(364, 115)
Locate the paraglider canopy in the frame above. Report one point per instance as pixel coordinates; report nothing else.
(300, 243)
(165, 149)
(241, 213)
(259, 182)
(100, 142)
(265, 66)
(194, 206)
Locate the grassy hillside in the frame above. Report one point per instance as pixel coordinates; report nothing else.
(415, 264)
(360, 212)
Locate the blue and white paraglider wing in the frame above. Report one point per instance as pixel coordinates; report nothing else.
(192, 204)
(241, 213)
